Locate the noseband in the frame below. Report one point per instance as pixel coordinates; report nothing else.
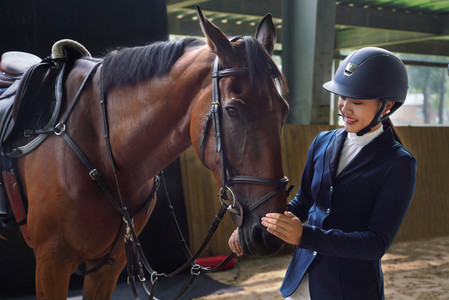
(226, 194)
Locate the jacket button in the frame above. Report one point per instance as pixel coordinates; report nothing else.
(331, 188)
(328, 211)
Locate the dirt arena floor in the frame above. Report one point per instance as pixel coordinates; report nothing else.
(412, 270)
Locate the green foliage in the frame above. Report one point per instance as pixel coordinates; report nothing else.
(422, 78)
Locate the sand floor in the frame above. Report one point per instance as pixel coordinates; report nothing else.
(412, 270)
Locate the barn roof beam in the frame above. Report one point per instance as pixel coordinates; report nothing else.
(396, 31)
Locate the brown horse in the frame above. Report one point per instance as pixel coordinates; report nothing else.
(158, 97)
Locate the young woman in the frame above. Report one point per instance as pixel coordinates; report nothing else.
(356, 187)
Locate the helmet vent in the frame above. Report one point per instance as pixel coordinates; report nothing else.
(350, 68)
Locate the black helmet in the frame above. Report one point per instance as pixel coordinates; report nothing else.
(371, 73)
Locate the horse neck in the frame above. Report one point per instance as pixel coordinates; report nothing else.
(150, 121)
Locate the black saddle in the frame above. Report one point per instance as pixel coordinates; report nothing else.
(33, 102)
(12, 66)
(31, 106)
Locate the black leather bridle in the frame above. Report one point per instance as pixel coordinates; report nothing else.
(227, 179)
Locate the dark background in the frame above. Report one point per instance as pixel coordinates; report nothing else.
(34, 26)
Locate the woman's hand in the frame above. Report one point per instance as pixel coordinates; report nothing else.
(234, 243)
(285, 226)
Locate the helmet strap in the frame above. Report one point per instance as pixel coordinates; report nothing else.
(376, 120)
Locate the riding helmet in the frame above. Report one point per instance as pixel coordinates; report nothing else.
(371, 73)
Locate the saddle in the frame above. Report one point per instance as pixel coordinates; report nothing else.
(31, 102)
(35, 102)
(13, 64)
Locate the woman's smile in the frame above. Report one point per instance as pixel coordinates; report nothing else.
(349, 120)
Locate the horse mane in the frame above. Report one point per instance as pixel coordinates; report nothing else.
(130, 65)
(260, 64)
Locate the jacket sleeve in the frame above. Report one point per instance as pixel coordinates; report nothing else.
(389, 210)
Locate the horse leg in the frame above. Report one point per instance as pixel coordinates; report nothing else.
(52, 274)
(101, 284)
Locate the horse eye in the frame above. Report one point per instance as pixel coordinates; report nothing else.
(233, 113)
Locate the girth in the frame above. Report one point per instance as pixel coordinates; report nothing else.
(236, 208)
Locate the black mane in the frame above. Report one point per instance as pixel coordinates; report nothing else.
(260, 64)
(130, 65)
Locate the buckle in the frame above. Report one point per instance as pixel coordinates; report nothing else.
(59, 128)
(93, 174)
(196, 270)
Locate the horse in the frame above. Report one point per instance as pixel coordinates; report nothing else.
(157, 103)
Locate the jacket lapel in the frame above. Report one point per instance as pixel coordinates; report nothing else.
(369, 152)
(335, 147)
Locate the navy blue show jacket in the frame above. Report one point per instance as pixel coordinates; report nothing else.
(351, 218)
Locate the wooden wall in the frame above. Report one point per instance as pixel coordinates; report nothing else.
(428, 214)
(426, 217)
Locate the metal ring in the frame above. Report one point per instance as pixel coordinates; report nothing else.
(195, 270)
(58, 129)
(154, 277)
(231, 201)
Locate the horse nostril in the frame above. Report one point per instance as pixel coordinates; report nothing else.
(262, 238)
(258, 235)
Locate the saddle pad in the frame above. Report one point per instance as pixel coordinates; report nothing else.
(17, 62)
(68, 47)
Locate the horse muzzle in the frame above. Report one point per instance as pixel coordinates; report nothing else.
(253, 236)
(255, 239)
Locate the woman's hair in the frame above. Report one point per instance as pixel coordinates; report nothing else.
(388, 122)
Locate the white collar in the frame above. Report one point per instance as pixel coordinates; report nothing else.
(365, 139)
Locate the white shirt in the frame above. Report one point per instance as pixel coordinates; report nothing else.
(354, 144)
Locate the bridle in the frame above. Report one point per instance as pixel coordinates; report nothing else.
(235, 207)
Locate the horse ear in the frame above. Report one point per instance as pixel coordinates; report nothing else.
(216, 39)
(266, 33)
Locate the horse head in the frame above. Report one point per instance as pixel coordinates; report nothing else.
(236, 130)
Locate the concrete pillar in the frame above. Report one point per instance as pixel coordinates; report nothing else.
(308, 30)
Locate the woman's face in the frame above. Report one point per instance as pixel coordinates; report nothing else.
(357, 114)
